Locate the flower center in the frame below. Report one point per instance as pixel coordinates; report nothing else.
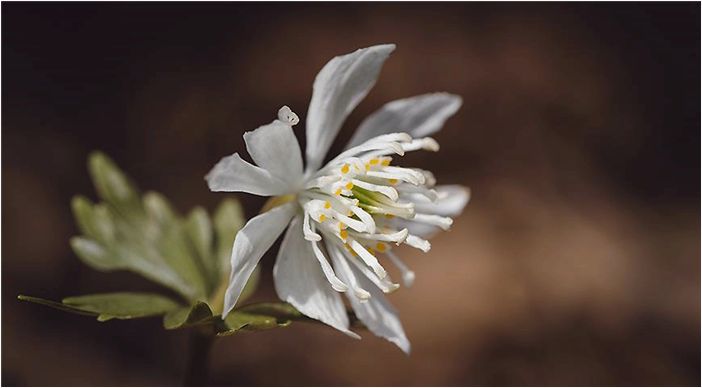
(361, 202)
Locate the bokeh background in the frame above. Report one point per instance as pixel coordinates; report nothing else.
(577, 261)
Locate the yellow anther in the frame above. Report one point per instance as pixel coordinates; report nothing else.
(374, 161)
(338, 191)
(349, 214)
(392, 181)
(389, 216)
(322, 217)
(371, 251)
(327, 205)
(344, 235)
(351, 251)
(345, 169)
(380, 247)
(367, 166)
(385, 162)
(342, 226)
(349, 186)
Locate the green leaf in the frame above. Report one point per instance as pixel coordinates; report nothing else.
(237, 321)
(199, 228)
(281, 310)
(197, 314)
(124, 233)
(228, 220)
(94, 221)
(112, 184)
(170, 243)
(122, 305)
(83, 213)
(119, 305)
(56, 305)
(260, 316)
(94, 254)
(158, 208)
(145, 235)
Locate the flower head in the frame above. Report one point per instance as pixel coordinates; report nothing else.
(345, 217)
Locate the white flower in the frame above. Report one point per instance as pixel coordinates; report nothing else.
(346, 214)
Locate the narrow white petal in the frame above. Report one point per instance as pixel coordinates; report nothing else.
(419, 116)
(407, 274)
(418, 242)
(433, 219)
(396, 237)
(386, 284)
(274, 147)
(235, 174)
(338, 89)
(450, 201)
(309, 234)
(342, 266)
(379, 316)
(336, 284)
(299, 280)
(424, 231)
(368, 258)
(251, 242)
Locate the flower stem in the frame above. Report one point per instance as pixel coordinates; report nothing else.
(198, 357)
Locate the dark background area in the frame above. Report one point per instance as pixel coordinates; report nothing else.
(577, 261)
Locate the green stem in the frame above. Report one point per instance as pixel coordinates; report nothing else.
(200, 347)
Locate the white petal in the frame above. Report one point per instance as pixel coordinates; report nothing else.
(419, 116)
(299, 281)
(376, 312)
(327, 270)
(338, 89)
(407, 274)
(450, 201)
(251, 242)
(341, 265)
(420, 230)
(235, 174)
(417, 242)
(274, 147)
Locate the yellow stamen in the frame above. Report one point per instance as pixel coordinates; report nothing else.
(338, 191)
(389, 216)
(385, 162)
(349, 186)
(322, 217)
(392, 181)
(327, 205)
(342, 226)
(367, 166)
(345, 169)
(348, 248)
(344, 235)
(380, 247)
(371, 251)
(374, 161)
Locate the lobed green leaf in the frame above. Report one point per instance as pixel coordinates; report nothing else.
(119, 305)
(198, 314)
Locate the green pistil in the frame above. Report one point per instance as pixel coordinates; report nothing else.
(367, 200)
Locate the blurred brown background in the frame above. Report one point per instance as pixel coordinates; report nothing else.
(577, 261)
